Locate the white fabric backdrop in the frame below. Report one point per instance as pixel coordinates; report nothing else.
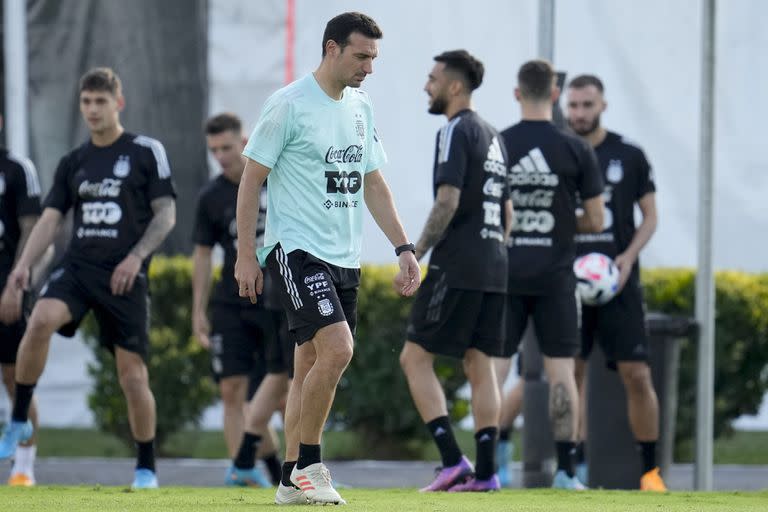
(647, 54)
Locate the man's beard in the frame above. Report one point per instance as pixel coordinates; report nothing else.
(438, 106)
(594, 125)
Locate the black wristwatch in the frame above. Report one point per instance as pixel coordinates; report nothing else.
(405, 247)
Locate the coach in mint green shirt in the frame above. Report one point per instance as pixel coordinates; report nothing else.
(319, 151)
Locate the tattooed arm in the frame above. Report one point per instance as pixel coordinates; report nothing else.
(163, 220)
(446, 203)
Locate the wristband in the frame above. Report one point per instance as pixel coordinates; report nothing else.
(405, 247)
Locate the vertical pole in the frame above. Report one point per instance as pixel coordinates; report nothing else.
(705, 286)
(15, 41)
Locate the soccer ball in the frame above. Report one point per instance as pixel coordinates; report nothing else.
(597, 278)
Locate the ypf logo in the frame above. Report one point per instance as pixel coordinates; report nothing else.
(343, 182)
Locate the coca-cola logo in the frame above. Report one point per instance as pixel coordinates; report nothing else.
(535, 199)
(104, 188)
(352, 154)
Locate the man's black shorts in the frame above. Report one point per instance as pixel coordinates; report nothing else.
(247, 340)
(313, 293)
(448, 321)
(619, 327)
(555, 319)
(10, 335)
(123, 319)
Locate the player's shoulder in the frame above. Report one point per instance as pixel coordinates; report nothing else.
(144, 142)
(626, 143)
(14, 163)
(288, 95)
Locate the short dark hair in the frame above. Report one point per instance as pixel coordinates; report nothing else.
(463, 63)
(585, 81)
(341, 26)
(536, 79)
(224, 122)
(101, 79)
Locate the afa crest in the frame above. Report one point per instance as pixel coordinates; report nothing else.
(122, 167)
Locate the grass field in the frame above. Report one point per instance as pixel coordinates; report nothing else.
(105, 499)
(742, 448)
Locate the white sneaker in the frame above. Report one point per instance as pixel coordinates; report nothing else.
(315, 481)
(290, 496)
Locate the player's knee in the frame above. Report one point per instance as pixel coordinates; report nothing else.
(409, 359)
(41, 325)
(232, 393)
(133, 382)
(637, 379)
(339, 354)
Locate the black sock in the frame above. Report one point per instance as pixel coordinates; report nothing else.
(246, 455)
(21, 402)
(485, 442)
(146, 455)
(648, 452)
(308, 454)
(285, 479)
(504, 434)
(581, 452)
(565, 451)
(442, 433)
(273, 466)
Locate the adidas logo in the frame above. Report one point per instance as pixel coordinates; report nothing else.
(534, 161)
(533, 170)
(439, 431)
(494, 151)
(485, 438)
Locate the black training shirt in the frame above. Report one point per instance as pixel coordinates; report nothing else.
(469, 155)
(549, 167)
(110, 189)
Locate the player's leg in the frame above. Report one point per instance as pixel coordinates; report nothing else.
(134, 381)
(437, 325)
(23, 470)
(233, 389)
(48, 316)
(511, 407)
(623, 327)
(556, 323)
(588, 327)
(488, 342)
(270, 392)
(269, 397)
(333, 348)
(480, 372)
(304, 359)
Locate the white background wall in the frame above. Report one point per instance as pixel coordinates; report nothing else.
(646, 52)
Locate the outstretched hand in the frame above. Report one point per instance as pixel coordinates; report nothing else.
(407, 281)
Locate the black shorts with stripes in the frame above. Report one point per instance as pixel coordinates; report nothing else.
(313, 292)
(448, 321)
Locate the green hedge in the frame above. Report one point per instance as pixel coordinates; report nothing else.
(373, 397)
(741, 345)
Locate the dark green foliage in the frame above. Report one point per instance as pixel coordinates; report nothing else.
(741, 345)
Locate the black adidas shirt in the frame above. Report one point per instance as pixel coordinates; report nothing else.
(549, 167)
(19, 197)
(628, 178)
(470, 156)
(110, 190)
(215, 223)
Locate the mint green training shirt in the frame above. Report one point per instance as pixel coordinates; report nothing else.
(319, 151)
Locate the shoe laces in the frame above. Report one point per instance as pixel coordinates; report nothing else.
(325, 475)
